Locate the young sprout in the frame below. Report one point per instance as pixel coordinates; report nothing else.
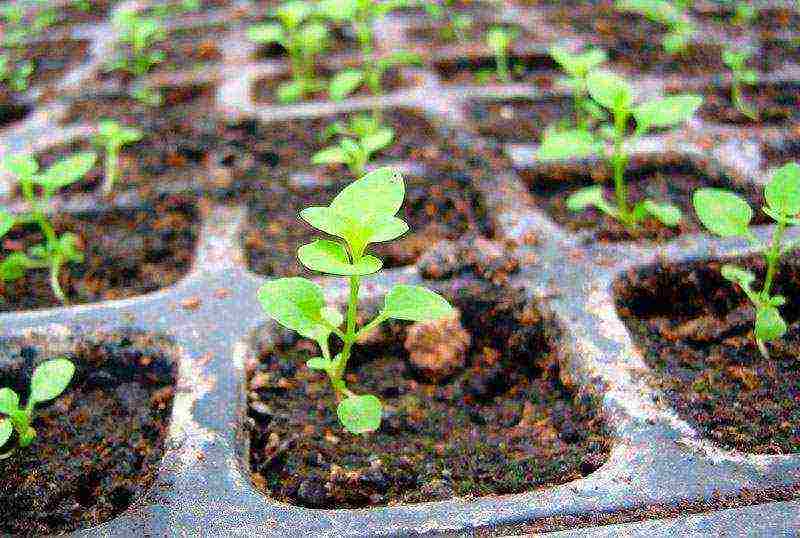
(577, 67)
(49, 380)
(674, 16)
(615, 95)
(141, 34)
(37, 189)
(728, 215)
(361, 214)
(362, 138)
(303, 40)
(740, 74)
(499, 40)
(111, 136)
(17, 76)
(455, 25)
(744, 14)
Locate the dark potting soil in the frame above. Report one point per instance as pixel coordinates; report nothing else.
(506, 423)
(99, 445)
(776, 52)
(127, 253)
(667, 178)
(97, 12)
(519, 120)
(192, 48)
(264, 89)
(535, 68)
(777, 155)
(776, 103)
(696, 330)
(435, 33)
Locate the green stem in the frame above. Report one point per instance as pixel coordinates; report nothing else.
(350, 334)
(773, 256)
(620, 161)
(111, 168)
(501, 59)
(55, 269)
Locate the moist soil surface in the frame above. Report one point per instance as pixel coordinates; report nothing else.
(663, 179)
(519, 120)
(191, 49)
(99, 445)
(696, 330)
(504, 424)
(777, 104)
(127, 252)
(534, 68)
(438, 34)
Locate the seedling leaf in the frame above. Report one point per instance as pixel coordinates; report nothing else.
(415, 303)
(783, 191)
(23, 166)
(769, 324)
(609, 89)
(331, 155)
(318, 363)
(668, 111)
(331, 257)
(667, 214)
(66, 171)
(50, 379)
(344, 83)
(295, 303)
(7, 222)
(360, 413)
(378, 193)
(9, 401)
(378, 140)
(722, 212)
(739, 275)
(572, 144)
(6, 429)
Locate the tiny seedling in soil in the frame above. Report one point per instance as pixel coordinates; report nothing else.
(111, 137)
(361, 138)
(577, 67)
(24, 21)
(673, 15)
(16, 75)
(49, 380)
(455, 25)
(364, 212)
(303, 39)
(499, 39)
(728, 215)
(140, 34)
(37, 189)
(740, 75)
(617, 96)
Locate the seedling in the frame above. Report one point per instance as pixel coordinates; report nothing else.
(499, 40)
(577, 67)
(17, 76)
(362, 138)
(674, 16)
(38, 189)
(49, 380)
(615, 95)
(364, 212)
(25, 22)
(303, 40)
(111, 136)
(141, 34)
(740, 74)
(728, 215)
(456, 25)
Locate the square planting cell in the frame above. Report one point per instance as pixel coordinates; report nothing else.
(665, 178)
(519, 120)
(99, 445)
(471, 408)
(777, 104)
(523, 67)
(695, 330)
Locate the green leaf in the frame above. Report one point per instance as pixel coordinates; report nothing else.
(332, 316)
(415, 303)
(290, 92)
(344, 83)
(738, 275)
(572, 144)
(386, 228)
(331, 257)
(590, 197)
(378, 140)
(23, 166)
(783, 191)
(722, 212)
(378, 193)
(331, 155)
(338, 10)
(318, 363)
(610, 90)
(577, 65)
(50, 379)
(667, 214)
(668, 111)
(7, 222)
(6, 429)
(360, 413)
(296, 303)
(110, 131)
(13, 267)
(9, 401)
(769, 324)
(294, 12)
(66, 171)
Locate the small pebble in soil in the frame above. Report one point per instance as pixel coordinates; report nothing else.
(437, 349)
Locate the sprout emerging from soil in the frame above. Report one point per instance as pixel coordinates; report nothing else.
(49, 380)
(364, 212)
(23, 21)
(617, 96)
(18, 75)
(140, 35)
(455, 25)
(303, 39)
(37, 189)
(361, 139)
(673, 15)
(577, 67)
(728, 215)
(740, 74)
(111, 136)
(499, 39)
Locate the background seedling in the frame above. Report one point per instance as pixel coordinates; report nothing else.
(303, 39)
(673, 15)
(49, 380)
(740, 74)
(455, 24)
(37, 189)
(363, 213)
(577, 67)
(728, 215)
(499, 39)
(362, 137)
(16, 75)
(615, 95)
(141, 34)
(111, 136)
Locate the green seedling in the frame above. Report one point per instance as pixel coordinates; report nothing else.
(303, 39)
(728, 215)
(141, 34)
(49, 380)
(616, 96)
(38, 189)
(361, 139)
(363, 213)
(499, 39)
(175, 9)
(24, 21)
(577, 67)
(740, 75)
(456, 25)
(111, 137)
(673, 15)
(16, 76)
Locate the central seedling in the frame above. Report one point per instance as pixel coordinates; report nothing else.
(736, 61)
(303, 39)
(577, 67)
(499, 40)
(673, 15)
(140, 35)
(111, 136)
(728, 215)
(362, 137)
(362, 214)
(49, 380)
(616, 96)
(38, 189)
(456, 25)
